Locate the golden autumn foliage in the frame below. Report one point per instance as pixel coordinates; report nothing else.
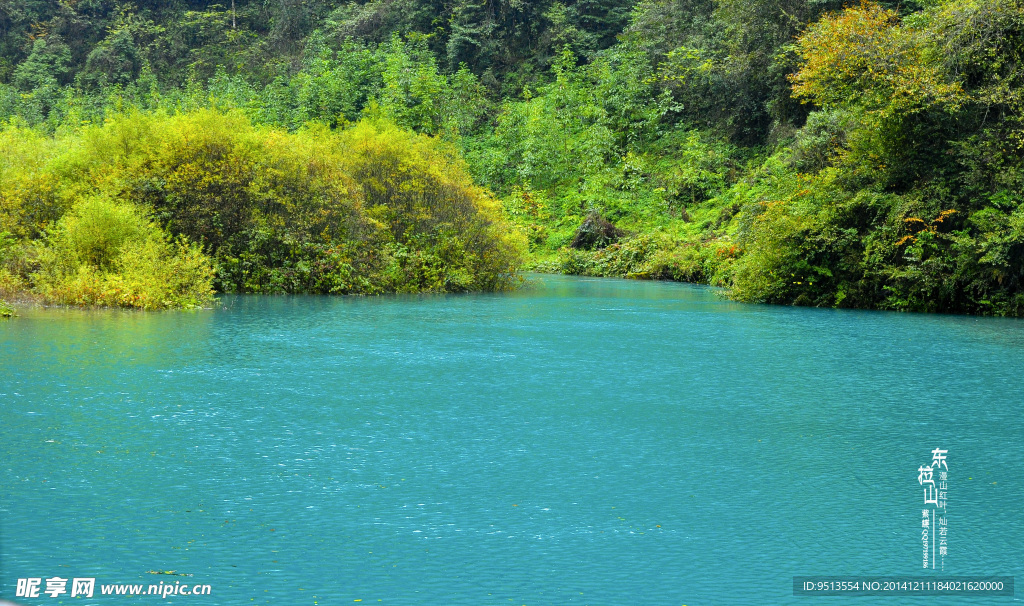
(106, 252)
(866, 57)
(369, 209)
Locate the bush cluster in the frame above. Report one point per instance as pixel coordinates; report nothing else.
(155, 210)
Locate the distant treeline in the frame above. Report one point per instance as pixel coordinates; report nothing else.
(807, 152)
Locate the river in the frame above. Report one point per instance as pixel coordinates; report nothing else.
(580, 441)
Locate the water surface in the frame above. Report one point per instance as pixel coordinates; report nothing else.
(578, 442)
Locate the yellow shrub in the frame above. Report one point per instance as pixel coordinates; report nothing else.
(105, 252)
(368, 209)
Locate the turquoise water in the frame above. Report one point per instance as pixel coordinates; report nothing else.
(578, 442)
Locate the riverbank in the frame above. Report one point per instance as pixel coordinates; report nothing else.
(865, 157)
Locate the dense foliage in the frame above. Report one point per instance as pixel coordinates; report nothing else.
(904, 189)
(121, 213)
(806, 152)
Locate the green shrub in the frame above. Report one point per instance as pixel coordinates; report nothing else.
(107, 252)
(368, 209)
(441, 232)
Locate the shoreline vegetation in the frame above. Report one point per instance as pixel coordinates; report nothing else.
(113, 215)
(803, 152)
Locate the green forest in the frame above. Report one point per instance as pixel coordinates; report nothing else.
(799, 152)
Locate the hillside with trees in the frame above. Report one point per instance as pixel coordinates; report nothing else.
(805, 152)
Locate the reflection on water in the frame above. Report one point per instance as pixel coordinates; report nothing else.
(578, 441)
